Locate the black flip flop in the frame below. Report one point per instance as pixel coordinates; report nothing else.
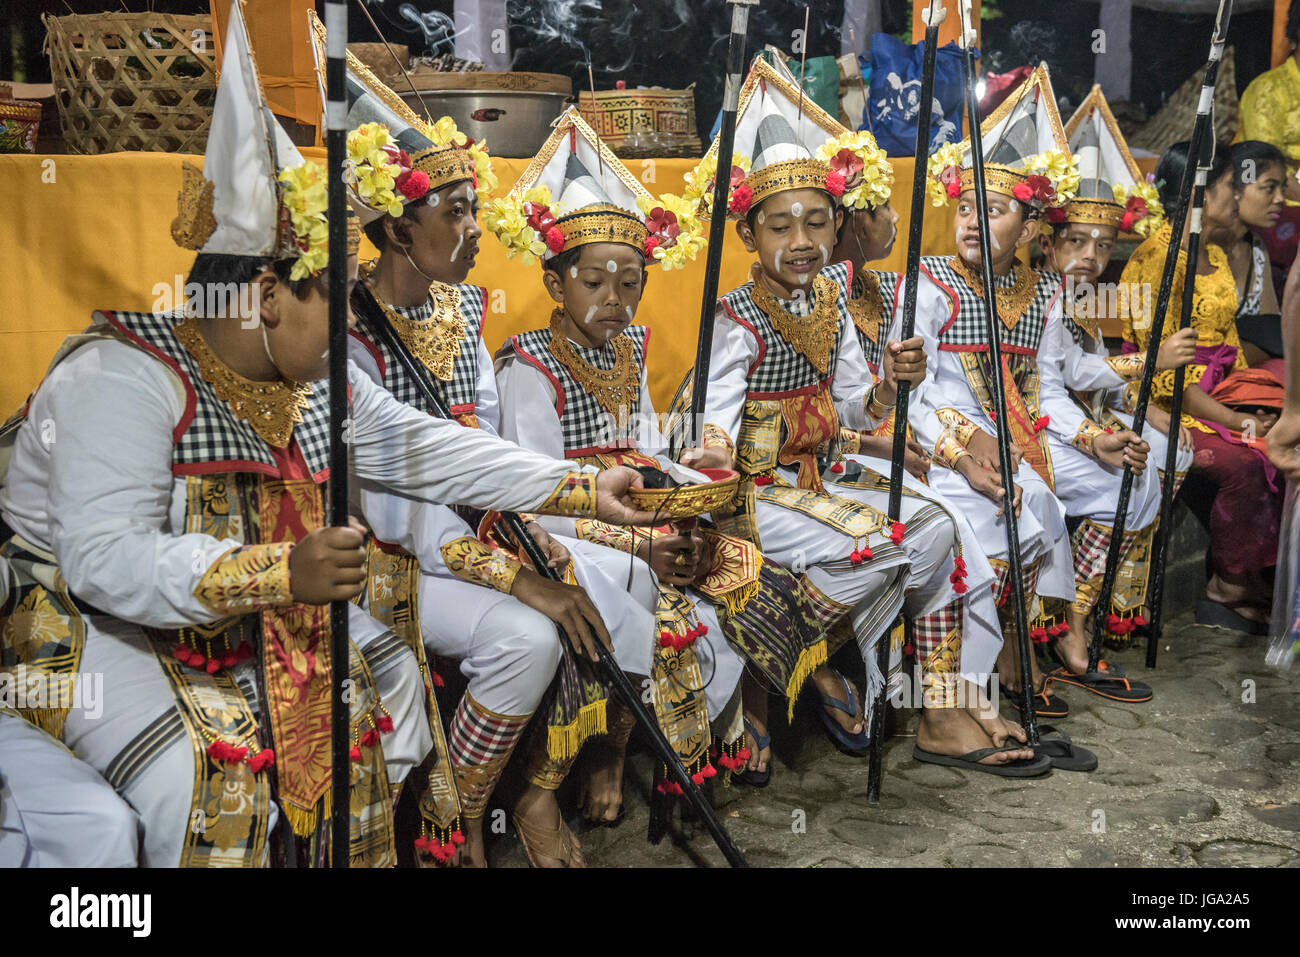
(1046, 704)
(1033, 767)
(1110, 684)
(1064, 754)
(1220, 614)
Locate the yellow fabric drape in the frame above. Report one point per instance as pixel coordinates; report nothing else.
(92, 232)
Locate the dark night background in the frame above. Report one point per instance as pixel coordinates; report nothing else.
(675, 43)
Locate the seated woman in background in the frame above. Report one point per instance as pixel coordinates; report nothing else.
(1246, 506)
(1259, 182)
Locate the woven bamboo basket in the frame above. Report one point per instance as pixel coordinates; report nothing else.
(133, 81)
(644, 122)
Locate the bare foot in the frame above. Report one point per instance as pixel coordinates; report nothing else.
(601, 786)
(953, 731)
(547, 839)
(829, 682)
(1009, 667)
(471, 853)
(978, 706)
(1073, 645)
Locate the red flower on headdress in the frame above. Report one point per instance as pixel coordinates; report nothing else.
(413, 183)
(950, 177)
(555, 240)
(741, 199)
(835, 183)
(663, 227)
(849, 165)
(539, 217)
(1022, 192)
(1135, 210)
(1041, 189)
(651, 244)
(1056, 215)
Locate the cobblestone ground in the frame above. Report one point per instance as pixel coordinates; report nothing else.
(1205, 774)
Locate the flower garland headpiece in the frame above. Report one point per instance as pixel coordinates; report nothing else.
(864, 168)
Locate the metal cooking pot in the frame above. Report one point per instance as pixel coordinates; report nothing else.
(514, 123)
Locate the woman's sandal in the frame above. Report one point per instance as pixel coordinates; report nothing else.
(1063, 753)
(854, 745)
(557, 843)
(1046, 704)
(1223, 614)
(757, 779)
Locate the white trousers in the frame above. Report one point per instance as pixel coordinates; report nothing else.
(138, 742)
(55, 811)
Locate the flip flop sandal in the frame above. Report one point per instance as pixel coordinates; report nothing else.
(1222, 614)
(757, 779)
(553, 842)
(1033, 767)
(854, 745)
(1064, 754)
(1046, 704)
(1107, 684)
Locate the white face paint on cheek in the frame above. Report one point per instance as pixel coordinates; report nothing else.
(826, 256)
(591, 311)
(796, 210)
(628, 310)
(777, 261)
(611, 266)
(573, 272)
(456, 252)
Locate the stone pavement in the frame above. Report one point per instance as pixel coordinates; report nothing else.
(1207, 773)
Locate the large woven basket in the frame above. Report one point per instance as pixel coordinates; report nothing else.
(133, 81)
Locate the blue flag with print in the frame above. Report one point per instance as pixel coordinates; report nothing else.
(894, 97)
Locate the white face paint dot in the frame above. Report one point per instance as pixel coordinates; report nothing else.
(1096, 233)
(760, 217)
(1014, 206)
(434, 199)
(796, 210)
(611, 266)
(573, 272)
(473, 194)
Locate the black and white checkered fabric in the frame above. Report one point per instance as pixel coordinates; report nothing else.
(461, 392)
(216, 440)
(781, 369)
(889, 283)
(968, 331)
(587, 426)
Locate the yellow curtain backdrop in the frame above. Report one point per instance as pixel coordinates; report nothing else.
(92, 232)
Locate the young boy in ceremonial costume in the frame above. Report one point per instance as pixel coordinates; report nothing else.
(787, 379)
(471, 601)
(1027, 173)
(163, 513)
(1112, 195)
(577, 390)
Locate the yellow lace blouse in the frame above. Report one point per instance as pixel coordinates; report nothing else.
(1270, 109)
(1214, 310)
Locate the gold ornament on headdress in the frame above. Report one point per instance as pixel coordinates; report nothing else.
(195, 222)
(1094, 212)
(602, 223)
(997, 178)
(444, 165)
(786, 175)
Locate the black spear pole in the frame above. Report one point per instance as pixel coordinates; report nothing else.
(934, 17)
(622, 686)
(1161, 544)
(336, 40)
(718, 217)
(1200, 130)
(995, 375)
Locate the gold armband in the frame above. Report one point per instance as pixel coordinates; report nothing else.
(575, 495)
(875, 408)
(716, 437)
(1127, 367)
(471, 560)
(247, 578)
(1086, 437)
(948, 451)
(961, 427)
